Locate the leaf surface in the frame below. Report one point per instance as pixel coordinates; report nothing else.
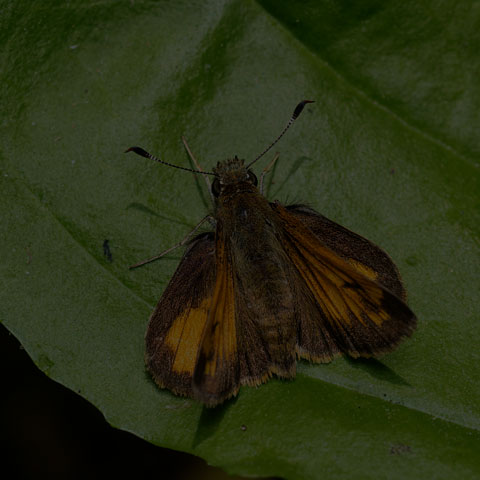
(390, 150)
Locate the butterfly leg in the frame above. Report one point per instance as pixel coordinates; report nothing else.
(183, 242)
(199, 168)
(266, 170)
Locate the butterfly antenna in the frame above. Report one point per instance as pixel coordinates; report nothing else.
(143, 153)
(296, 113)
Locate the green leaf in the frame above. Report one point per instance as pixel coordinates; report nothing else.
(390, 149)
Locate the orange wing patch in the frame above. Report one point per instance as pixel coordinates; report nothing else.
(343, 293)
(185, 335)
(364, 269)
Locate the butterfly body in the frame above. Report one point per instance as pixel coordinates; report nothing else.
(270, 285)
(247, 227)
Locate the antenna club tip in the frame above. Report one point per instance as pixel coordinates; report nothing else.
(299, 108)
(138, 151)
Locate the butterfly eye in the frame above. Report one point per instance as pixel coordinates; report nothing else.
(216, 188)
(252, 177)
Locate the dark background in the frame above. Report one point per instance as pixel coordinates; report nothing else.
(47, 431)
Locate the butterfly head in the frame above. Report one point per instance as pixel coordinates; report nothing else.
(232, 174)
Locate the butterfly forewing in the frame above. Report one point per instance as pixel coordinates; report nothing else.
(177, 325)
(361, 315)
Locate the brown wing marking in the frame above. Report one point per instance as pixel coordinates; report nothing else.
(216, 376)
(177, 325)
(362, 316)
